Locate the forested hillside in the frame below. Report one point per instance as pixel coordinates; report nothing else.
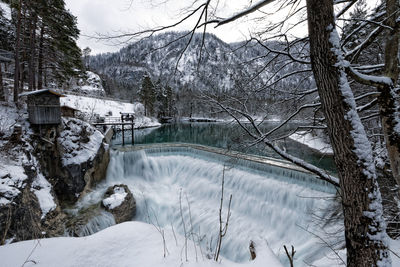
(38, 45)
(191, 70)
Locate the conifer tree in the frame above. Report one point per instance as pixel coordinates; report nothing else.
(86, 53)
(45, 46)
(6, 45)
(169, 101)
(147, 95)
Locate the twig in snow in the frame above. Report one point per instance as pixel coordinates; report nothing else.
(222, 228)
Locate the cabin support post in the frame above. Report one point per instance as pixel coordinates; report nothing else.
(123, 129)
(123, 135)
(132, 134)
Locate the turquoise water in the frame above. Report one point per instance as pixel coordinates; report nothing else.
(225, 135)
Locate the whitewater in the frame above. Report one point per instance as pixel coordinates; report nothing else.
(179, 188)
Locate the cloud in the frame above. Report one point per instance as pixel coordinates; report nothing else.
(116, 16)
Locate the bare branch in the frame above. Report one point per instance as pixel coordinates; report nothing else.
(243, 13)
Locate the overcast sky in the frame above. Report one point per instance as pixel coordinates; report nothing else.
(113, 16)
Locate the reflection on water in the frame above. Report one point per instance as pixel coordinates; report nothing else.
(225, 135)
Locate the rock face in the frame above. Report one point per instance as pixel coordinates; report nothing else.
(23, 217)
(44, 168)
(119, 201)
(88, 221)
(75, 157)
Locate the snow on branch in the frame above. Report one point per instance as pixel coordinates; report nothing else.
(362, 25)
(368, 105)
(345, 8)
(368, 79)
(357, 50)
(370, 68)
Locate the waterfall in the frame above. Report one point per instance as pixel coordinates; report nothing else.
(97, 222)
(268, 202)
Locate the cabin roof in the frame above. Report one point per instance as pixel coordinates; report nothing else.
(42, 91)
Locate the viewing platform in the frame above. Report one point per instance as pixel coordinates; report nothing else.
(126, 119)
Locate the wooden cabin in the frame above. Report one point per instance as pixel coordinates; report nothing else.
(67, 111)
(44, 106)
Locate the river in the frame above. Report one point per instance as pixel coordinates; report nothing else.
(228, 136)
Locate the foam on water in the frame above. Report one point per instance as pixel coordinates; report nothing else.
(268, 202)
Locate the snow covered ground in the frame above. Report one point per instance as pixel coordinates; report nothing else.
(138, 244)
(126, 244)
(314, 142)
(99, 106)
(108, 108)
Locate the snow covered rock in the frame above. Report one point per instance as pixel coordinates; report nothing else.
(90, 84)
(120, 202)
(88, 221)
(32, 212)
(84, 157)
(28, 204)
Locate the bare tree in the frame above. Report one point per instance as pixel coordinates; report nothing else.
(365, 230)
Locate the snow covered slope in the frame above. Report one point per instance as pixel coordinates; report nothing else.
(126, 244)
(94, 107)
(315, 142)
(99, 106)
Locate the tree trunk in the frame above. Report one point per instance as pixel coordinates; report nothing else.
(17, 41)
(2, 93)
(388, 105)
(361, 200)
(40, 59)
(45, 76)
(25, 32)
(32, 49)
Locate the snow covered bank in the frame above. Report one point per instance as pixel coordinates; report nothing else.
(314, 142)
(126, 244)
(93, 107)
(99, 106)
(42, 189)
